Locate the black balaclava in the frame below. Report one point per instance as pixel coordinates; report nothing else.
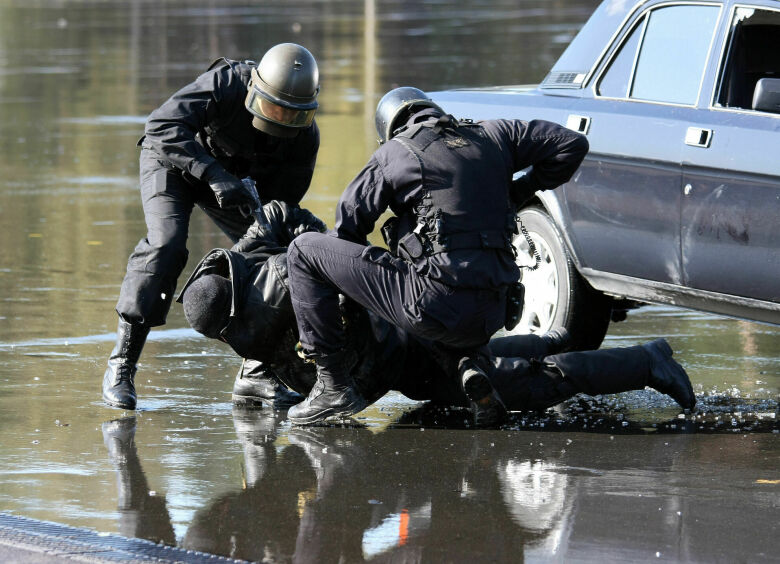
(207, 304)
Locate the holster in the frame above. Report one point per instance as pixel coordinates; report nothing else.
(515, 298)
(410, 247)
(389, 231)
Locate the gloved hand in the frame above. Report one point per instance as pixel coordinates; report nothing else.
(521, 190)
(303, 221)
(256, 238)
(285, 221)
(228, 189)
(290, 221)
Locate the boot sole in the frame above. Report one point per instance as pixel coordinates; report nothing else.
(255, 401)
(491, 415)
(328, 414)
(119, 405)
(476, 385)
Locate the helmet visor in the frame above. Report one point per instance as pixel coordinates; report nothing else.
(263, 107)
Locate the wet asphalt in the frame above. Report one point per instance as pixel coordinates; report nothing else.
(613, 478)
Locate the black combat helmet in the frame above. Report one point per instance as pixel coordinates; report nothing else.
(396, 106)
(283, 90)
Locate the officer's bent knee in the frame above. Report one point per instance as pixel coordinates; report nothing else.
(167, 257)
(305, 239)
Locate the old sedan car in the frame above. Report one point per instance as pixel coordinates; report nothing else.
(679, 198)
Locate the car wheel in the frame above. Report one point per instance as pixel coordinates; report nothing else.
(555, 293)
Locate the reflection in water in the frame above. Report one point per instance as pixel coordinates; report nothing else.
(142, 513)
(319, 494)
(348, 494)
(77, 80)
(535, 492)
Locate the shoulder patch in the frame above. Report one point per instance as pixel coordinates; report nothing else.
(456, 142)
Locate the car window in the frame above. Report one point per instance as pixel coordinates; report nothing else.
(664, 56)
(617, 79)
(753, 53)
(673, 54)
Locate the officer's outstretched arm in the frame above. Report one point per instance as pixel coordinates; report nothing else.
(285, 222)
(552, 151)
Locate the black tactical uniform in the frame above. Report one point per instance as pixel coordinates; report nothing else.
(205, 124)
(451, 260)
(236, 121)
(258, 323)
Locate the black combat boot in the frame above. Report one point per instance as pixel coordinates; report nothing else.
(334, 393)
(667, 376)
(611, 371)
(118, 386)
(486, 405)
(256, 384)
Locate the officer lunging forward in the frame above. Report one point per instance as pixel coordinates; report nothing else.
(237, 120)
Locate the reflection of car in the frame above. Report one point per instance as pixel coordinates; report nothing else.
(679, 199)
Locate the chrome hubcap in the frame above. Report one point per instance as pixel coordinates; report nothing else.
(541, 286)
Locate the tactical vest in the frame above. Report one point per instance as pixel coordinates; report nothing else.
(465, 202)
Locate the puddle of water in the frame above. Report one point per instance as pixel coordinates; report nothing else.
(621, 475)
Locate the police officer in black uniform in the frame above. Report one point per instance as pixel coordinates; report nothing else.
(237, 120)
(241, 296)
(451, 262)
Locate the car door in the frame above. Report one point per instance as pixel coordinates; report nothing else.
(624, 208)
(731, 194)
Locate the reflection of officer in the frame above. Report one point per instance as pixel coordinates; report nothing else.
(237, 120)
(142, 514)
(416, 513)
(260, 521)
(241, 296)
(349, 494)
(450, 186)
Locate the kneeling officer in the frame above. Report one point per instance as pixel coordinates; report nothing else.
(451, 260)
(241, 297)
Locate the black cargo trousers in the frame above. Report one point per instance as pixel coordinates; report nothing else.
(168, 196)
(320, 266)
(525, 376)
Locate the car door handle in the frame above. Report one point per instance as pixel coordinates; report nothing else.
(580, 124)
(698, 137)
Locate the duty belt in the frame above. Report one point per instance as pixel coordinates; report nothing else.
(469, 240)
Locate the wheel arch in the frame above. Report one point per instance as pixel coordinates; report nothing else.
(575, 304)
(550, 203)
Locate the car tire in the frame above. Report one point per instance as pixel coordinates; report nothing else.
(556, 295)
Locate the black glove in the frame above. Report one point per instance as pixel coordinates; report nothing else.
(290, 221)
(285, 222)
(256, 238)
(304, 221)
(521, 191)
(228, 189)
